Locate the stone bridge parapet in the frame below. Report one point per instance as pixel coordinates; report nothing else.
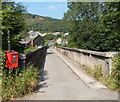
(90, 59)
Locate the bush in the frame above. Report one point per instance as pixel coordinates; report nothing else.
(98, 72)
(113, 80)
(19, 84)
(111, 83)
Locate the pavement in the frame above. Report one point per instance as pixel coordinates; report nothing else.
(85, 77)
(63, 80)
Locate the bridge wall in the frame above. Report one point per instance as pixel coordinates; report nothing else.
(90, 59)
(33, 58)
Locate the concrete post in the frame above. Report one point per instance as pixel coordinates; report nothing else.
(22, 64)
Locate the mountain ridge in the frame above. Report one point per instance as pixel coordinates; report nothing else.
(44, 24)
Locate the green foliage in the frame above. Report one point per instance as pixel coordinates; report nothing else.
(45, 24)
(29, 49)
(113, 81)
(111, 23)
(62, 45)
(12, 20)
(56, 44)
(49, 37)
(98, 72)
(1, 70)
(48, 44)
(15, 44)
(88, 21)
(19, 84)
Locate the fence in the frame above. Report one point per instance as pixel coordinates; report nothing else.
(90, 59)
(34, 58)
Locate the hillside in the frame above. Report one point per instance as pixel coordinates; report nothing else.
(45, 24)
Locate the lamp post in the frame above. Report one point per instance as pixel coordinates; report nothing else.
(8, 40)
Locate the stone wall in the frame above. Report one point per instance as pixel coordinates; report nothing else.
(90, 59)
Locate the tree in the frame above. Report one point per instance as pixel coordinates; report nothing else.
(87, 27)
(49, 37)
(111, 22)
(45, 24)
(12, 20)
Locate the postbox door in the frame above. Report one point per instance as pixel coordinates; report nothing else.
(12, 59)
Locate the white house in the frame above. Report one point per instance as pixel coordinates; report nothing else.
(66, 34)
(59, 41)
(56, 33)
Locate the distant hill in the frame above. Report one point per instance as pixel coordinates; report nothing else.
(44, 24)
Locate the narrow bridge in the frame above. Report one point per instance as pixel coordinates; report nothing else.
(60, 82)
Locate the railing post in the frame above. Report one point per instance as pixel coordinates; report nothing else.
(22, 62)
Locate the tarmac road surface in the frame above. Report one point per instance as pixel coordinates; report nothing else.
(61, 83)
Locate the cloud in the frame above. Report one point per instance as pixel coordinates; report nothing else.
(52, 7)
(55, 6)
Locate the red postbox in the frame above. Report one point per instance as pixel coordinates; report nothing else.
(11, 59)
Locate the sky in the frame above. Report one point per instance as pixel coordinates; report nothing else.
(47, 9)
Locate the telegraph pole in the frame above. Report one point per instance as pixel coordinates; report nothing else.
(8, 40)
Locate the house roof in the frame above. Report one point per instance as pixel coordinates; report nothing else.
(27, 40)
(32, 36)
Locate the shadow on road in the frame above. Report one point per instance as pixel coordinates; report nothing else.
(43, 75)
(42, 84)
(41, 68)
(49, 53)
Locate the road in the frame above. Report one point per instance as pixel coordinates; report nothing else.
(60, 83)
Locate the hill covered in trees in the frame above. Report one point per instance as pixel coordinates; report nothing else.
(45, 24)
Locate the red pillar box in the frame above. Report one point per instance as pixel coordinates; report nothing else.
(11, 59)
